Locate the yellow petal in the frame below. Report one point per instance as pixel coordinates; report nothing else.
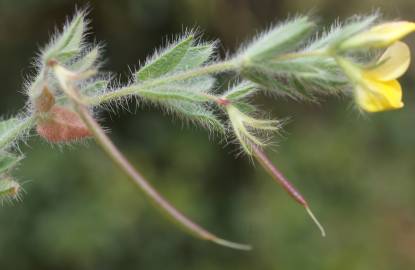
(393, 63)
(380, 36)
(376, 96)
(392, 31)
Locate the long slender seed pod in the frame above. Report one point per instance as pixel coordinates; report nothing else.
(281, 180)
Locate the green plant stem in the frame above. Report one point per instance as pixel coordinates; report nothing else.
(121, 161)
(296, 55)
(215, 68)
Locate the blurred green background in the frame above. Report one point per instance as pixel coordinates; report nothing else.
(80, 212)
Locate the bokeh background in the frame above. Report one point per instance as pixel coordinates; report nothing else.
(80, 212)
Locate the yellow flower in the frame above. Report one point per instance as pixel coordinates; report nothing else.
(377, 88)
(379, 36)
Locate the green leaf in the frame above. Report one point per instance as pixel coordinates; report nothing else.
(68, 43)
(191, 90)
(245, 107)
(186, 99)
(8, 161)
(196, 56)
(12, 129)
(5, 125)
(87, 61)
(7, 129)
(197, 114)
(94, 88)
(166, 61)
(240, 91)
(202, 84)
(287, 36)
(299, 78)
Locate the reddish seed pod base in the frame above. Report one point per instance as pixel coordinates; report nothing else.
(63, 125)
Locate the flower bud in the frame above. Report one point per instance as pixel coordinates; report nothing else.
(379, 36)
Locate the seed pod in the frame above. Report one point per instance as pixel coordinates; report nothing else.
(62, 125)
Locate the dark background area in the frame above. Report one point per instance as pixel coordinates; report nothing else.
(80, 212)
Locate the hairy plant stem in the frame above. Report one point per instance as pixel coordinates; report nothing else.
(215, 68)
(281, 180)
(185, 75)
(122, 162)
(296, 55)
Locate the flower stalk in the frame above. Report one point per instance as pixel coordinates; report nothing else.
(122, 162)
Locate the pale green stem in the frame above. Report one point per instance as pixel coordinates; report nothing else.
(185, 75)
(230, 65)
(296, 55)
